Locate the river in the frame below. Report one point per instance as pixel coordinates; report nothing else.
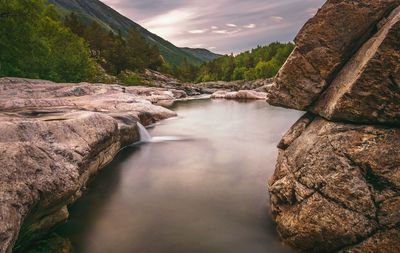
(199, 187)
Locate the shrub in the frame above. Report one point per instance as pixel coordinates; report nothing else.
(129, 78)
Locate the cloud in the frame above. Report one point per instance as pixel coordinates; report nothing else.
(311, 11)
(220, 31)
(200, 31)
(235, 31)
(277, 18)
(232, 25)
(250, 26)
(165, 24)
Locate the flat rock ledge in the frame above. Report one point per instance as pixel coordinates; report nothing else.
(240, 95)
(336, 187)
(54, 139)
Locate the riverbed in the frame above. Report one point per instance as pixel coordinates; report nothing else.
(199, 186)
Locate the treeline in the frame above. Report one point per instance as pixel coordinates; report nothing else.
(37, 42)
(261, 62)
(114, 52)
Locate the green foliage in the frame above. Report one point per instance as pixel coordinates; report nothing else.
(238, 73)
(250, 74)
(114, 52)
(261, 62)
(166, 68)
(186, 71)
(35, 44)
(130, 79)
(267, 69)
(108, 18)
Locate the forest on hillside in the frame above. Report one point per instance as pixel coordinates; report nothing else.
(38, 42)
(35, 44)
(261, 62)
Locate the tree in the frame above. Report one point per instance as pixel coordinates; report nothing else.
(261, 62)
(35, 44)
(17, 35)
(186, 71)
(250, 74)
(74, 23)
(65, 56)
(228, 68)
(114, 52)
(238, 74)
(267, 69)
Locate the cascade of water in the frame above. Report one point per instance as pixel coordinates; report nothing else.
(144, 134)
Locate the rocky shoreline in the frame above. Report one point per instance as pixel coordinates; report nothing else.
(336, 187)
(162, 81)
(54, 139)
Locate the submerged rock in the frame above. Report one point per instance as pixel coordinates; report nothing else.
(336, 187)
(54, 138)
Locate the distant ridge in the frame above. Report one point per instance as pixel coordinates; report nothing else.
(95, 10)
(201, 53)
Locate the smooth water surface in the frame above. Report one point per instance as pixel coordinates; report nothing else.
(199, 187)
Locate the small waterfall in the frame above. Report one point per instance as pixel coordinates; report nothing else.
(145, 137)
(158, 139)
(144, 134)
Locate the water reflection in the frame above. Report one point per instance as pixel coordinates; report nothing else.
(203, 193)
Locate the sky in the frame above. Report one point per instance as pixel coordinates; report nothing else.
(222, 26)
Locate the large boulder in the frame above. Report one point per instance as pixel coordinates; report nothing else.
(54, 138)
(367, 89)
(337, 185)
(323, 46)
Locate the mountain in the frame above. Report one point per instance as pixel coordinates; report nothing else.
(95, 10)
(201, 53)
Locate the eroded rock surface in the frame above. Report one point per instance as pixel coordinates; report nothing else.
(367, 89)
(336, 187)
(323, 46)
(54, 138)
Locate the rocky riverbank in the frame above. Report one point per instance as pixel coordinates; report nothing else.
(54, 138)
(240, 95)
(336, 187)
(162, 81)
